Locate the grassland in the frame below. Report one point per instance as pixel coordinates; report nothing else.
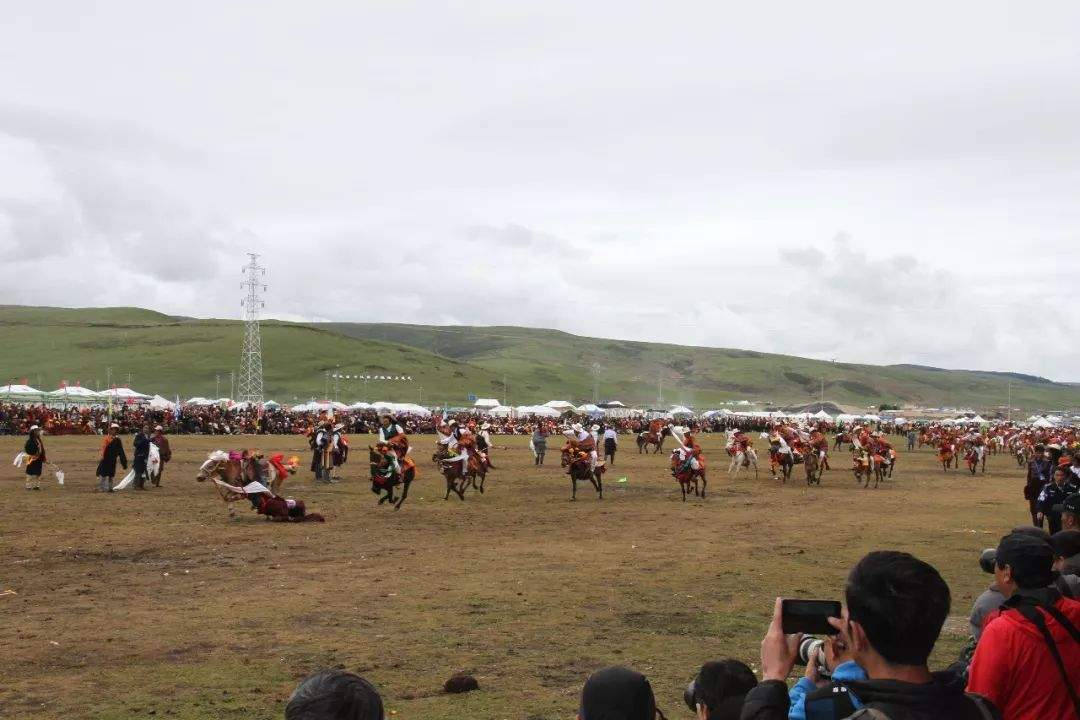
(155, 605)
(181, 356)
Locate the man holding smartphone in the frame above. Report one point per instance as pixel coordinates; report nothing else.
(896, 605)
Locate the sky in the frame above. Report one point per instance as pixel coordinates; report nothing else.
(868, 182)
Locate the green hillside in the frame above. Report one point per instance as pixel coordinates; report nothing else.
(635, 372)
(181, 356)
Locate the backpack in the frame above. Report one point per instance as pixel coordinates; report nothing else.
(986, 709)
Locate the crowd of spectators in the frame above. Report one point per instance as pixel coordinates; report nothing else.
(1022, 664)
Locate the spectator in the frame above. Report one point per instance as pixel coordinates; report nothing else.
(843, 670)
(617, 693)
(1053, 496)
(1028, 660)
(35, 458)
(896, 605)
(539, 442)
(992, 598)
(1070, 513)
(335, 695)
(164, 451)
(719, 689)
(111, 451)
(1038, 475)
(140, 446)
(611, 443)
(1066, 546)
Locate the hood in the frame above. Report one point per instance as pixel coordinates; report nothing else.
(943, 691)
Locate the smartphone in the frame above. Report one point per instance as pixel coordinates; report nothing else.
(809, 616)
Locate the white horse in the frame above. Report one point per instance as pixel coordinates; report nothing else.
(740, 459)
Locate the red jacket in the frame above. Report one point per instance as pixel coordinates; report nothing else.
(1013, 666)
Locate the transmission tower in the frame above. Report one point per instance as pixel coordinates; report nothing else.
(250, 387)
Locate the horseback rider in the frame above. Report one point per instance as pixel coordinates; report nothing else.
(690, 452)
(461, 439)
(583, 441)
(820, 444)
(320, 443)
(483, 444)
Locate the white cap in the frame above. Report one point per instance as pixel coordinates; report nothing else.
(33, 428)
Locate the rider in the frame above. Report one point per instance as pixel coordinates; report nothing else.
(584, 441)
(320, 445)
(483, 444)
(820, 444)
(465, 443)
(690, 451)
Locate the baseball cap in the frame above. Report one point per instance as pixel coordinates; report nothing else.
(1030, 558)
(1071, 504)
(1066, 543)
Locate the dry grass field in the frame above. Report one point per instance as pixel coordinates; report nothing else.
(154, 604)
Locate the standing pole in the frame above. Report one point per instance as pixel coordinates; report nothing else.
(250, 387)
(1010, 400)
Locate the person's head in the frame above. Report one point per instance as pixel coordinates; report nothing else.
(385, 421)
(334, 695)
(35, 431)
(1070, 512)
(159, 430)
(720, 687)
(618, 693)
(1060, 476)
(1066, 544)
(896, 606)
(1023, 562)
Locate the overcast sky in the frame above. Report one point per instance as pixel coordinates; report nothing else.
(863, 181)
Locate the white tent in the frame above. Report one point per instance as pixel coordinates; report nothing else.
(1042, 423)
(483, 403)
(199, 402)
(159, 403)
(822, 415)
(19, 390)
(360, 406)
(870, 417)
(679, 410)
(500, 411)
(559, 405)
(538, 410)
(588, 409)
(900, 421)
(1033, 418)
(73, 393)
(978, 420)
(402, 408)
(845, 417)
(123, 393)
(612, 404)
(271, 404)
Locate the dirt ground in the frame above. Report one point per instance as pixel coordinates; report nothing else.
(154, 604)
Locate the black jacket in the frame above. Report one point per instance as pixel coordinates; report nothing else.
(942, 699)
(113, 451)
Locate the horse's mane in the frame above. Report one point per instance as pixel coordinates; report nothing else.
(214, 457)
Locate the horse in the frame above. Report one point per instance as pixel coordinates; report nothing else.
(231, 473)
(578, 463)
(653, 436)
(841, 438)
(945, 456)
(688, 476)
(383, 481)
(812, 466)
(458, 481)
(742, 457)
(786, 460)
(862, 466)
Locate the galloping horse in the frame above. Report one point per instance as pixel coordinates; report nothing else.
(385, 479)
(813, 468)
(862, 466)
(237, 478)
(945, 454)
(786, 461)
(741, 455)
(653, 436)
(579, 462)
(688, 476)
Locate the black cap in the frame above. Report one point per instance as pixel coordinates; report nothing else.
(1071, 504)
(1030, 558)
(1066, 543)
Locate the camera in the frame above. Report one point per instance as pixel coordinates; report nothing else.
(810, 647)
(689, 695)
(988, 560)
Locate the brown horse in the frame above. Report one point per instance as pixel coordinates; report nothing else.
(813, 467)
(580, 471)
(458, 481)
(689, 479)
(653, 436)
(862, 466)
(229, 476)
(383, 479)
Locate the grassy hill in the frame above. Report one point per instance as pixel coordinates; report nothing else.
(173, 355)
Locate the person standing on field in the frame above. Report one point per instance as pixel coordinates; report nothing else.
(611, 443)
(111, 451)
(164, 451)
(35, 458)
